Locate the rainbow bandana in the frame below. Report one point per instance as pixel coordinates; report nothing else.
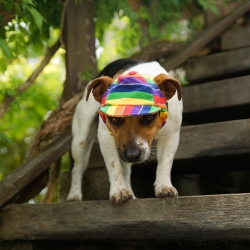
(133, 95)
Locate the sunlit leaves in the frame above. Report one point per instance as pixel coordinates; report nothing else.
(5, 48)
(29, 109)
(3, 65)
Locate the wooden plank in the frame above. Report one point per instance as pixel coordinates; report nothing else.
(226, 138)
(215, 217)
(217, 94)
(206, 140)
(215, 139)
(215, 66)
(23, 175)
(206, 37)
(236, 38)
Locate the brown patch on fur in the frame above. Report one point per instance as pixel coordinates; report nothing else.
(131, 129)
(98, 87)
(81, 143)
(168, 86)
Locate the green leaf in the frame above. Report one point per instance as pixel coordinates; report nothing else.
(4, 137)
(5, 48)
(37, 17)
(10, 92)
(8, 6)
(26, 3)
(3, 65)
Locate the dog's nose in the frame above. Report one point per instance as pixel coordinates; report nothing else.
(132, 154)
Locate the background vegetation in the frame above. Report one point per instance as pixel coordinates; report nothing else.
(28, 27)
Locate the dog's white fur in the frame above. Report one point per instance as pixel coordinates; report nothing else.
(119, 171)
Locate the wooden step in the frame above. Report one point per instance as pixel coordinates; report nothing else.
(201, 141)
(217, 101)
(218, 94)
(217, 217)
(218, 66)
(236, 38)
(203, 149)
(206, 140)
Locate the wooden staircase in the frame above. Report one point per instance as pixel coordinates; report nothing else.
(213, 158)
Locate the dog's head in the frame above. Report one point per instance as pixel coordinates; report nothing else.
(134, 131)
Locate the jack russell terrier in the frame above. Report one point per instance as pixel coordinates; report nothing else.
(133, 100)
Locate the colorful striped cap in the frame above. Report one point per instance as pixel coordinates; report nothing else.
(133, 95)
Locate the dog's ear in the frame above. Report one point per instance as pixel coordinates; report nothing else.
(99, 86)
(168, 86)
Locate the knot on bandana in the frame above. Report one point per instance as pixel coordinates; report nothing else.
(133, 95)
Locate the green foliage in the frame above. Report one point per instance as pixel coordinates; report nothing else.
(30, 30)
(209, 5)
(19, 125)
(120, 32)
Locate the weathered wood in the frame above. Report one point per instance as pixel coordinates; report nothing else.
(216, 66)
(216, 139)
(206, 140)
(222, 10)
(27, 172)
(217, 217)
(218, 94)
(206, 37)
(122, 245)
(226, 138)
(236, 38)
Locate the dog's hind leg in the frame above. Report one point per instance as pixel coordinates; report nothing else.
(166, 149)
(83, 139)
(127, 175)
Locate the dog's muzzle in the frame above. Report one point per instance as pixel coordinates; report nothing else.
(132, 154)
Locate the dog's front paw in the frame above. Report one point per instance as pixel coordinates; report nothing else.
(120, 196)
(73, 196)
(165, 191)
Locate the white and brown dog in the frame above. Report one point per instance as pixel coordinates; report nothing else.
(127, 138)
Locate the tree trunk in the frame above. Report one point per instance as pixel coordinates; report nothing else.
(79, 39)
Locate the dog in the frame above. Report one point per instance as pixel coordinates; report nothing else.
(126, 138)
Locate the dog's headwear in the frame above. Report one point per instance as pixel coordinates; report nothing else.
(133, 95)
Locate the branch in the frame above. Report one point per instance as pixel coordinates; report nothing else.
(30, 81)
(157, 50)
(206, 37)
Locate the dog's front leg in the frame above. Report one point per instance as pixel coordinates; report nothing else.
(127, 175)
(166, 149)
(119, 192)
(82, 142)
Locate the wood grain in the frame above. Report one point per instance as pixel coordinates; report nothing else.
(206, 140)
(218, 94)
(209, 140)
(224, 64)
(236, 38)
(218, 217)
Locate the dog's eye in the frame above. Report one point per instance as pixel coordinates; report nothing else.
(116, 121)
(147, 119)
